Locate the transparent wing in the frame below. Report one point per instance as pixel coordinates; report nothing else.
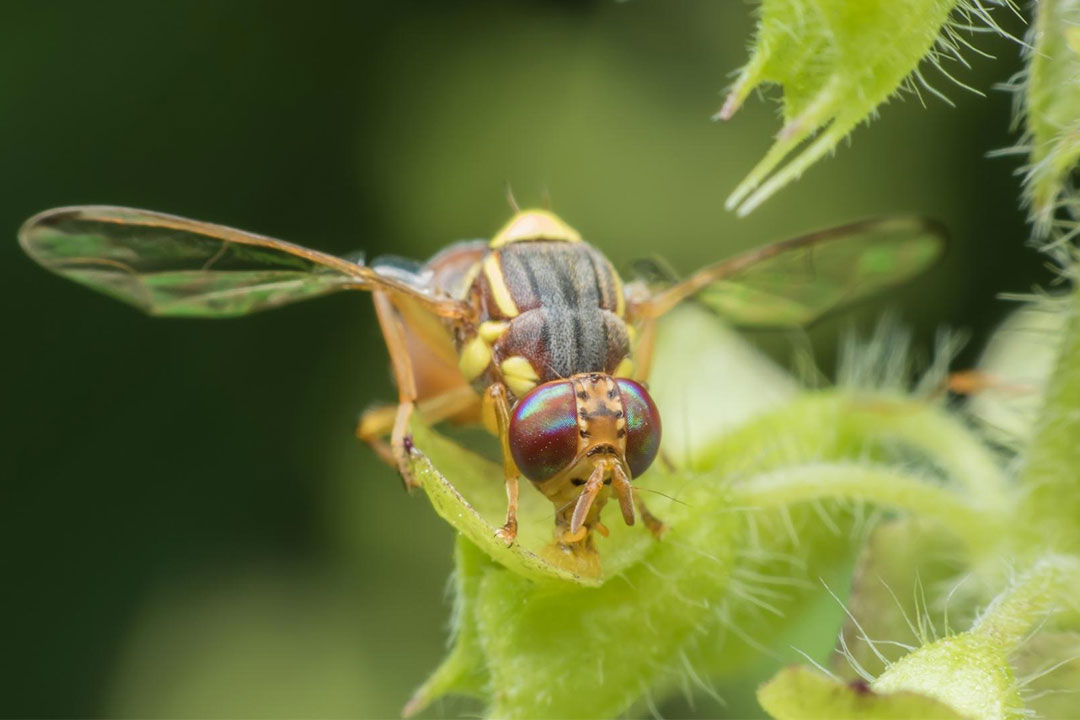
(168, 265)
(796, 281)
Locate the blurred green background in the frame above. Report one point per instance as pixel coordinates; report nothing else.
(189, 528)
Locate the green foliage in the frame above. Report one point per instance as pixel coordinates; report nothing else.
(800, 693)
(1050, 477)
(1050, 99)
(837, 61)
(970, 672)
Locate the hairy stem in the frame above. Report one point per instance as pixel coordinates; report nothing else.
(943, 437)
(1051, 476)
(876, 484)
(840, 423)
(1053, 582)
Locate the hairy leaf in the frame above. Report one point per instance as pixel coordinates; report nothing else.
(837, 61)
(1051, 101)
(800, 693)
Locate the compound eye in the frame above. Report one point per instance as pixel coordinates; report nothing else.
(642, 426)
(544, 430)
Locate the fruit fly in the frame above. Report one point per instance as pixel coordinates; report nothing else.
(533, 333)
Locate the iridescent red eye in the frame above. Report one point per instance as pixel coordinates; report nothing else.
(642, 426)
(544, 430)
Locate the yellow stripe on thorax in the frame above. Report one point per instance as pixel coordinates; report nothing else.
(620, 294)
(499, 292)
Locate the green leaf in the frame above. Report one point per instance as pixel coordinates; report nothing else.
(464, 670)
(964, 675)
(590, 653)
(800, 693)
(971, 671)
(475, 505)
(837, 61)
(556, 650)
(733, 382)
(1051, 101)
(1051, 505)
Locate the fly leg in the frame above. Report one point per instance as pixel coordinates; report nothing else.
(375, 424)
(394, 334)
(497, 408)
(378, 422)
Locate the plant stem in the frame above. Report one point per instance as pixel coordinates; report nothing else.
(1051, 476)
(948, 441)
(841, 423)
(879, 485)
(1052, 582)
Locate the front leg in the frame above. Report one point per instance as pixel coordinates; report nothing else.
(497, 403)
(378, 422)
(393, 331)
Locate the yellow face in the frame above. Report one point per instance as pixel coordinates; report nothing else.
(582, 438)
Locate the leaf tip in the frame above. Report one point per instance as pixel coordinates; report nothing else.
(731, 105)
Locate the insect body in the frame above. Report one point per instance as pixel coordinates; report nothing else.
(555, 303)
(533, 333)
(548, 351)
